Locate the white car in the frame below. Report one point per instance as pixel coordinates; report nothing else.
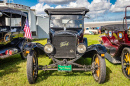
(90, 31)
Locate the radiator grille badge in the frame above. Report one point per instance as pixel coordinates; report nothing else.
(64, 44)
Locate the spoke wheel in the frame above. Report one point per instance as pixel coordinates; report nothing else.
(125, 61)
(99, 68)
(23, 52)
(32, 67)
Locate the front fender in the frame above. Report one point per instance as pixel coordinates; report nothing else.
(21, 42)
(30, 46)
(39, 48)
(93, 49)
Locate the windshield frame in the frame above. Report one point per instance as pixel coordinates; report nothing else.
(50, 16)
(12, 15)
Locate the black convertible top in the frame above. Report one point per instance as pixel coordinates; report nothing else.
(10, 10)
(115, 27)
(71, 11)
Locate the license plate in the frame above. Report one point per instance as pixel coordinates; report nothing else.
(64, 68)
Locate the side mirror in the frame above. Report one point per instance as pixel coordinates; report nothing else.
(1, 14)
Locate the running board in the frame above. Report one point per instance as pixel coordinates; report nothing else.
(111, 59)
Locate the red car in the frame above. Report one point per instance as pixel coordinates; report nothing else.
(117, 42)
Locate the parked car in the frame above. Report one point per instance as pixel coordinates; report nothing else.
(66, 45)
(117, 42)
(90, 31)
(11, 32)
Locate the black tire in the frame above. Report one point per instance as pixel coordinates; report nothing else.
(23, 52)
(125, 62)
(99, 68)
(32, 67)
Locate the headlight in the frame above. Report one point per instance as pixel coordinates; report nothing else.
(81, 48)
(48, 48)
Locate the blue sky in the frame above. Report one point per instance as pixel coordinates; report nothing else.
(25, 2)
(34, 2)
(100, 10)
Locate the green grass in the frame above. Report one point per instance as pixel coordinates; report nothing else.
(13, 72)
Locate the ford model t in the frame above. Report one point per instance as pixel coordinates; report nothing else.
(11, 32)
(66, 44)
(117, 42)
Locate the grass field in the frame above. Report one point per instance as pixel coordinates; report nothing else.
(13, 72)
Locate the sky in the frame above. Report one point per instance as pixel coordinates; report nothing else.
(100, 10)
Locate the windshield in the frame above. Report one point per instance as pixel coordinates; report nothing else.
(10, 20)
(70, 21)
(14, 22)
(128, 23)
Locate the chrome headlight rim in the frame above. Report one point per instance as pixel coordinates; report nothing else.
(84, 48)
(47, 45)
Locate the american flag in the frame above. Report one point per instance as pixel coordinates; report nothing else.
(27, 30)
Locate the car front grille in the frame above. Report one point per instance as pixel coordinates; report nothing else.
(65, 46)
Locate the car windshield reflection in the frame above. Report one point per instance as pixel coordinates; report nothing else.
(74, 21)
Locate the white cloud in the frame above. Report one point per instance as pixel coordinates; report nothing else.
(120, 5)
(79, 3)
(99, 6)
(40, 7)
(72, 4)
(96, 7)
(60, 6)
(57, 1)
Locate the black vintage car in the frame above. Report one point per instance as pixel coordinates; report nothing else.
(66, 45)
(12, 39)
